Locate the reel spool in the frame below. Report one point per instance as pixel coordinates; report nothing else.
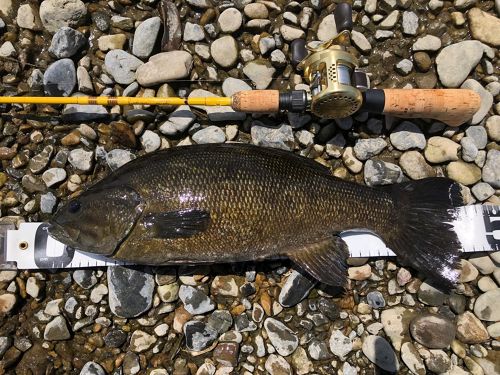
(335, 82)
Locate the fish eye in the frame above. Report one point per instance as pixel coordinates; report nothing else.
(74, 207)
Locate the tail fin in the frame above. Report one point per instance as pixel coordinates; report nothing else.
(423, 236)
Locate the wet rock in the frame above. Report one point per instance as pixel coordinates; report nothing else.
(487, 306)
(407, 136)
(122, 66)
(260, 72)
(58, 13)
(378, 172)
(92, 368)
(318, 350)
(154, 72)
(340, 345)
(455, 62)
(131, 365)
(220, 321)
(227, 354)
(440, 149)
(486, 99)
(470, 330)
(115, 338)
(379, 351)
(432, 331)
(145, 37)
(141, 341)
(130, 291)
(230, 20)
(411, 359)
(438, 361)
(491, 169)
(60, 78)
(301, 362)
(195, 301)
(281, 137)
(66, 42)
(427, 43)
(295, 289)
(282, 338)
(375, 299)
(365, 149)
(56, 329)
(198, 335)
(483, 26)
(430, 295)
(40, 161)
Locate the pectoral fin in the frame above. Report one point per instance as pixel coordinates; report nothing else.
(177, 224)
(325, 260)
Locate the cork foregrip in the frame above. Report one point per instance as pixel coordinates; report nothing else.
(451, 106)
(257, 101)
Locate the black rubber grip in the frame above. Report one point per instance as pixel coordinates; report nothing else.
(343, 17)
(293, 101)
(373, 101)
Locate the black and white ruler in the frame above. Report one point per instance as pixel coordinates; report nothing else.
(30, 246)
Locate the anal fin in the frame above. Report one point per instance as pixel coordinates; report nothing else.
(325, 260)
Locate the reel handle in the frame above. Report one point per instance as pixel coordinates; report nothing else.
(451, 106)
(343, 17)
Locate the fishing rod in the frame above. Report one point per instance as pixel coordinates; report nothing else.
(338, 89)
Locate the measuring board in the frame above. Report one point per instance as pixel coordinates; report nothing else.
(30, 246)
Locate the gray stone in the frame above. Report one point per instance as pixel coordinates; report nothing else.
(429, 295)
(203, 4)
(486, 99)
(375, 299)
(364, 149)
(195, 301)
(66, 42)
(5, 343)
(56, 330)
(117, 157)
(231, 86)
(163, 67)
(427, 43)
(410, 23)
(383, 34)
(141, 341)
(81, 113)
(378, 172)
(122, 66)
(60, 78)
(210, 134)
(361, 42)
(414, 165)
(340, 345)
(53, 176)
(478, 135)
(411, 359)
(178, 121)
(260, 72)
(85, 278)
(432, 331)
(284, 340)
(379, 351)
(455, 62)
(198, 335)
(47, 203)
(230, 20)
(290, 33)
(40, 161)
(438, 362)
(81, 160)
(145, 37)
(295, 289)
(266, 44)
(193, 32)
(130, 291)
(327, 28)
(277, 365)
(224, 51)
(487, 306)
(469, 149)
(482, 191)
(491, 169)
(281, 137)
(92, 368)
(28, 17)
(150, 141)
(390, 21)
(58, 13)
(407, 136)
(404, 67)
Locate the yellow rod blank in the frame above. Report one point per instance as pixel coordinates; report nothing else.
(115, 100)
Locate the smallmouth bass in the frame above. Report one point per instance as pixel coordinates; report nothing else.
(237, 202)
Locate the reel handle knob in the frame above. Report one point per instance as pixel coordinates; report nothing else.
(343, 17)
(298, 51)
(451, 106)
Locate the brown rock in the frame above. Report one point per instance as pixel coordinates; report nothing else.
(422, 61)
(123, 134)
(470, 330)
(226, 353)
(71, 139)
(484, 26)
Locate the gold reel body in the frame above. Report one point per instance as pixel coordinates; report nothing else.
(329, 69)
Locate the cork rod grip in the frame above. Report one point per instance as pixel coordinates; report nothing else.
(451, 106)
(256, 101)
